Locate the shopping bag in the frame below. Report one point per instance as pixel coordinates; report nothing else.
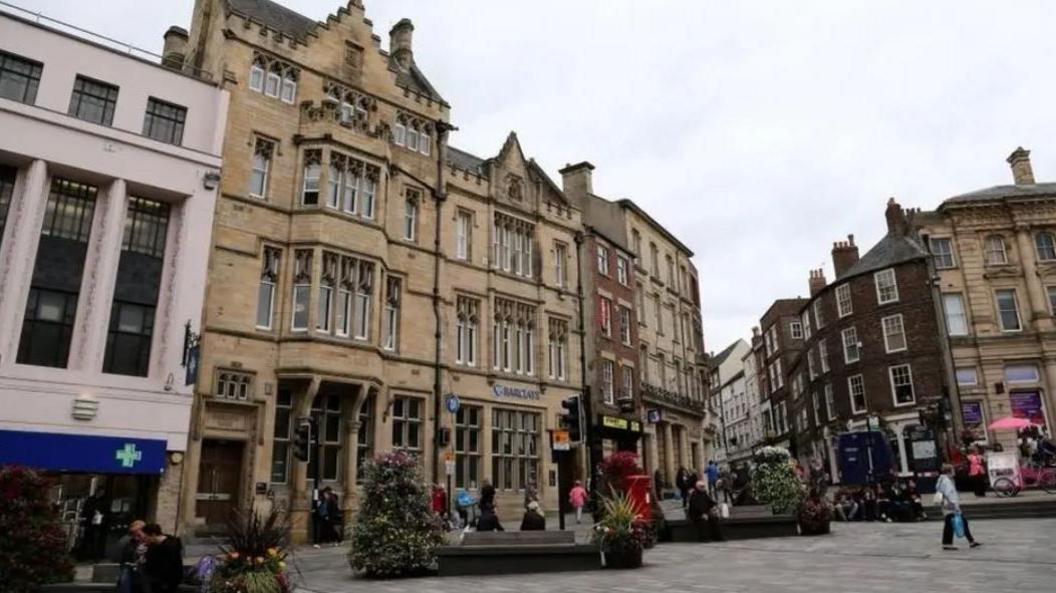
(958, 525)
(724, 511)
(936, 499)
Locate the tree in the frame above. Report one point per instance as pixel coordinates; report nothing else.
(33, 545)
(395, 532)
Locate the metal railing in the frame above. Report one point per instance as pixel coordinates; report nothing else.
(98, 39)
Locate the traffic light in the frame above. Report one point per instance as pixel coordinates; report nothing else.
(573, 418)
(302, 439)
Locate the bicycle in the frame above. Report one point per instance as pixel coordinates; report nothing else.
(1031, 475)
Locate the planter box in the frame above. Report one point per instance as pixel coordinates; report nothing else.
(516, 559)
(683, 530)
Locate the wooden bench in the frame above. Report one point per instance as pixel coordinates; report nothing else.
(516, 552)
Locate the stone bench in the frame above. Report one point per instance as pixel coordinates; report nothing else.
(89, 587)
(516, 552)
(735, 528)
(108, 572)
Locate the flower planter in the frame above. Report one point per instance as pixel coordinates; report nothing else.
(623, 557)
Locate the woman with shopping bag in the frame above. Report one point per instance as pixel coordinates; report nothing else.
(955, 522)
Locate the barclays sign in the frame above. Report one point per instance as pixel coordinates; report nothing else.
(505, 391)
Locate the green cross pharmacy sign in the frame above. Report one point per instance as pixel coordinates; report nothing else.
(128, 455)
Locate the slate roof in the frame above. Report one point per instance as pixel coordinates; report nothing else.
(289, 22)
(891, 250)
(275, 16)
(465, 161)
(1004, 191)
(721, 357)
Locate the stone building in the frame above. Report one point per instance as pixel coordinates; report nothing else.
(610, 327)
(872, 345)
(729, 391)
(672, 365)
(367, 275)
(108, 179)
(782, 339)
(995, 256)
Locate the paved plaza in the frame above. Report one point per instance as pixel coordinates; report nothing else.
(857, 557)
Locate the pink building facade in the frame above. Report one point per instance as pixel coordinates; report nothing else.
(109, 168)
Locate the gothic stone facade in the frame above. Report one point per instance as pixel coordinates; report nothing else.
(348, 238)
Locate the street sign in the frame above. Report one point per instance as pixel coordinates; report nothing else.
(561, 440)
(451, 403)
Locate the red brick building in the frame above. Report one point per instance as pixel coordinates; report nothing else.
(871, 344)
(782, 337)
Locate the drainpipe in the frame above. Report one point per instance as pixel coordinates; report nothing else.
(439, 196)
(586, 398)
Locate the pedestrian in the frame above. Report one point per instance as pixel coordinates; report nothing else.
(489, 521)
(683, 484)
(487, 497)
(946, 490)
(713, 478)
(94, 513)
(163, 565)
(844, 507)
(977, 472)
(439, 501)
(869, 503)
(533, 519)
(577, 497)
(701, 510)
(133, 552)
(531, 493)
(323, 525)
(658, 484)
(335, 519)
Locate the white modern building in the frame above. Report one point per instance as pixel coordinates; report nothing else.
(729, 395)
(109, 165)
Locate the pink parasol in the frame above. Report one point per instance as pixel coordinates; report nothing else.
(1011, 423)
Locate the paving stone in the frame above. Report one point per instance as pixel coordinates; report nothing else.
(857, 557)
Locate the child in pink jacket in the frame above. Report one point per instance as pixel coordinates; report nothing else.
(578, 497)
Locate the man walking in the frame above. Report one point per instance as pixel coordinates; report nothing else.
(951, 508)
(713, 478)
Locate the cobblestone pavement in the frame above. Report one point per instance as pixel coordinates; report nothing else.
(857, 557)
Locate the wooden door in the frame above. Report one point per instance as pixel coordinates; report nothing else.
(219, 480)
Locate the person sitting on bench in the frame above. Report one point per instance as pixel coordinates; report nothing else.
(702, 509)
(533, 520)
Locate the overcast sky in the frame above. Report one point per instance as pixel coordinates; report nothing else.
(757, 132)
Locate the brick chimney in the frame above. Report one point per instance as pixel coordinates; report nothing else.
(844, 255)
(817, 281)
(576, 179)
(400, 43)
(1022, 172)
(897, 223)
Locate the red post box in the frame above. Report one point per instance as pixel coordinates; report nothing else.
(640, 491)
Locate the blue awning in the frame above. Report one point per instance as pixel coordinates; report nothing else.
(81, 453)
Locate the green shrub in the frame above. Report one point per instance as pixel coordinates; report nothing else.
(32, 540)
(774, 482)
(395, 533)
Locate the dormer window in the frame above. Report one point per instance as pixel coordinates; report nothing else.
(273, 78)
(413, 133)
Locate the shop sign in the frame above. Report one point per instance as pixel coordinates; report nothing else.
(561, 440)
(653, 415)
(621, 423)
(507, 391)
(82, 453)
(972, 413)
(451, 403)
(1027, 404)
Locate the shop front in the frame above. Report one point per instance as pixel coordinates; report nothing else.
(101, 483)
(618, 433)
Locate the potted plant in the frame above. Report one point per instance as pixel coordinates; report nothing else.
(614, 473)
(395, 532)
(814, 516)
(33, 545)
(774, 481)
(254, 559)
(621, 534)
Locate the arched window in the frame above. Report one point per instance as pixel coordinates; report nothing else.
(1046, 246)
(995, 250)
